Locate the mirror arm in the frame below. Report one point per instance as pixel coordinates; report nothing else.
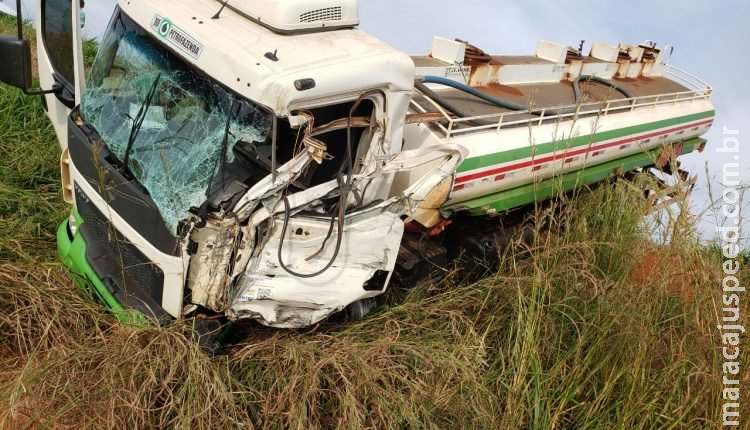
(19, 19)
(56, 89)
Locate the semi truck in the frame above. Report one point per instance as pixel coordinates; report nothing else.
(266, 160)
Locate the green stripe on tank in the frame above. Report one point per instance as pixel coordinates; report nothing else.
(488, 160)
(525, 194)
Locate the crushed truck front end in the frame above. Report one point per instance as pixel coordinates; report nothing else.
(220, 167)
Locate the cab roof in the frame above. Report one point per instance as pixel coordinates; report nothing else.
(263, 65)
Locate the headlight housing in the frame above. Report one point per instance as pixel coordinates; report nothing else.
(72, 224)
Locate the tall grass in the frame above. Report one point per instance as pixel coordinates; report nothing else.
(556, 338)
(593, 326)
(31, 204)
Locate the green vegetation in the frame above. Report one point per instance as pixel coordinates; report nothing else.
(591, 327)
(31, 206)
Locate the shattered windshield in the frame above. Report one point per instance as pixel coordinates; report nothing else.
(188, 131)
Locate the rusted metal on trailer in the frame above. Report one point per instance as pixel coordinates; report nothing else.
(475, 55)
(667, 195)
(424, 117)
(552, 95)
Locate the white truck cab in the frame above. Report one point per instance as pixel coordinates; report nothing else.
(218, 159)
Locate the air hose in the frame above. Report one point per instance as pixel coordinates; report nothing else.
(445, 104)
(592, 78)
(345, 188)
(475, 92)
(440, 100)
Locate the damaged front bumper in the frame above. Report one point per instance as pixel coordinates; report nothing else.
(100, 274)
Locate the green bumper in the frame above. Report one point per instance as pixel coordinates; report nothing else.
(72, 251)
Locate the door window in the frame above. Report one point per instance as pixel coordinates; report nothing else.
(57, 31)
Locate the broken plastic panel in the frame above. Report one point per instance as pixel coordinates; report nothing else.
(179, 154)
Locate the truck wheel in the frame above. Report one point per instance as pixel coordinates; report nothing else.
(208, 333)
(358, 310)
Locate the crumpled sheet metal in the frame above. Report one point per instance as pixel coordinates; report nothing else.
(275, 298)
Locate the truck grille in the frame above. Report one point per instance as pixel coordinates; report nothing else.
(135, 265)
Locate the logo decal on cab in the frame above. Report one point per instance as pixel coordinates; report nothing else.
(176, 36)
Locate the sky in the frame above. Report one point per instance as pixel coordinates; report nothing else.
(711, 40)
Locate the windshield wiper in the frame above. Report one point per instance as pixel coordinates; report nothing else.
(224, 148)
(138, 121)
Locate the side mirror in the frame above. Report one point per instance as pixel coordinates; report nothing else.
(15, 68)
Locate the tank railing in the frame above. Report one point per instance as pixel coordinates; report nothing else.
(502, 120)
(692, 81)
(416, 106)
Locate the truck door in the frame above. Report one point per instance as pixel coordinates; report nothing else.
(60, 57)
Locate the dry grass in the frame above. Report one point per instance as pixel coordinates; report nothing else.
(594, 326)
(558, 338)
